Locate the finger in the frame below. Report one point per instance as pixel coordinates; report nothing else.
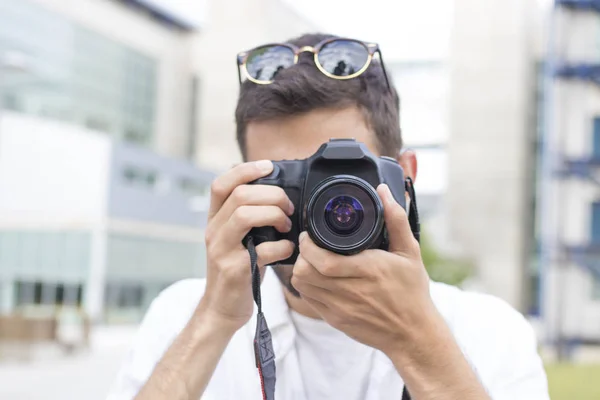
(254, 195)
(310, 291)
(306, 273)
(316, 305)
(222, 186)
(245, 218)
(328, 263)
(270, 252)
(396, 222)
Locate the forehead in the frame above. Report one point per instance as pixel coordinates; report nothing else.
(300, 136)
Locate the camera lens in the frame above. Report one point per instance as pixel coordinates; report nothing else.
(344, 214)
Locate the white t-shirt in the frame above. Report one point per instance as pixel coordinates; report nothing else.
(496, 340)
(333, 366)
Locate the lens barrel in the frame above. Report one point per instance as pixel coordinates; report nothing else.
(344, 214)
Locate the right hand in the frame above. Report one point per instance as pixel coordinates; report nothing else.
(235, 208)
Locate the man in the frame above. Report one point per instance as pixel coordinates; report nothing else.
(344, 327)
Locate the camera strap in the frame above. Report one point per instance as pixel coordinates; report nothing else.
(413, 212)
(263, 343)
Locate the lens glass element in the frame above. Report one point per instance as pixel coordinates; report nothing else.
(343, 57)
(344, 215)
(264, 63)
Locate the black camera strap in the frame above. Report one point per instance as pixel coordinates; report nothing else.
(413, 212)
(263, 343)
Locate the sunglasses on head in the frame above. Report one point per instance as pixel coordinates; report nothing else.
(336, 58)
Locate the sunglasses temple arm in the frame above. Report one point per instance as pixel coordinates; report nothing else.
(384, 70)
(239, 68)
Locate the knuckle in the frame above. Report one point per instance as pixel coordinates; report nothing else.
(240, 194)
(301, 269)
(241, 217)
(328, 266)
(217, 188)
(231, 271)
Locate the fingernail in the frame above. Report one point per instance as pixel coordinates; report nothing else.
(302, 236)
(291, 208)
(264, 166)
(288, 225)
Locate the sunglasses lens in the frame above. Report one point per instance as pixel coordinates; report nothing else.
(343, 57)
(264, 63)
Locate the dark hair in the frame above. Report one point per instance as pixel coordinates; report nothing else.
(303, 88)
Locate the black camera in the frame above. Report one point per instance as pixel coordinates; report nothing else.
(334, 196)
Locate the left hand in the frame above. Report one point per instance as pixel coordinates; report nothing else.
(379, 298)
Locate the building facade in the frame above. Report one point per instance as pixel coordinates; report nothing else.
(491, 150)
(100, 207)
(570, 220)
(103, 123)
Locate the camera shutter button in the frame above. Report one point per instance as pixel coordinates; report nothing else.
(274, 174)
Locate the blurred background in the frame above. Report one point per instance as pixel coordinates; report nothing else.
(115, 116)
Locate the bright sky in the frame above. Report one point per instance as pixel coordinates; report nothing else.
(405, 29)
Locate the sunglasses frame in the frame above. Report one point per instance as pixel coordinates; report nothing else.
(371, 48)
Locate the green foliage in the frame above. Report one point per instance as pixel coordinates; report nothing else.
(442, 268)
(573, 381)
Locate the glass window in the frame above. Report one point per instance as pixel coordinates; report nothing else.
(123, 295)
(596, 139)
(77, 75)
(595, 228)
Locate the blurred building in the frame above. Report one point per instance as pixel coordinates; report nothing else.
(99, 206)
(492, 150)
(106, 111)
(571, 217)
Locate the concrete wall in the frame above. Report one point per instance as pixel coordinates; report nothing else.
(52, 174)
(491, 108)
(169, 47)
(165, 201)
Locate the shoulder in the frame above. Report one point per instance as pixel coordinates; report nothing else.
(481, 311)
(497, 340)
(171, 310)
(166, 317)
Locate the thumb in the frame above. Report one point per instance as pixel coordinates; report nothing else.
(396, 222)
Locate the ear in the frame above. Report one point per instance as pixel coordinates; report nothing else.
(408, 162)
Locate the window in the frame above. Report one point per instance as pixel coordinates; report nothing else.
(194, 117)
(135, 176)
(596, 138)
(595, 228)
(193, 188)
(123, 295)
(80, 76)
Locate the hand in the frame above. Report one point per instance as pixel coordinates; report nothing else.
(377, 297)
(235, 208)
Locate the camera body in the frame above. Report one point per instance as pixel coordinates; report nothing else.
(335, 198)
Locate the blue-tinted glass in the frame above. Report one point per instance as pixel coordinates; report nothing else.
(596, 148)
(264, 63)
(75, 74)
(595, 234)
(343, 57)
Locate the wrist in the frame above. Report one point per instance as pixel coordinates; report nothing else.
(435, 353)
(213, 321)
(422, 337)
